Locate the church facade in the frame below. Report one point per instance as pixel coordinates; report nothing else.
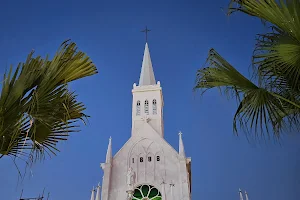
(147, 167)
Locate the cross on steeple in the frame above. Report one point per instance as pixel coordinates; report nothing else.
(146, 32)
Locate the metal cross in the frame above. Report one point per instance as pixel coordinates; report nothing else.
(146, 32)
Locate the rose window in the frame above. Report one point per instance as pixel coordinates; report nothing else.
(146, 192)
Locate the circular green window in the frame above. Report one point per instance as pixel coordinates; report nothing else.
(146, 192)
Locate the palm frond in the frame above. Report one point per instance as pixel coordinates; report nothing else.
(220, 73)
(283, 14)
(259, 109)
(274, 102)
(37, 110)
(276, 58)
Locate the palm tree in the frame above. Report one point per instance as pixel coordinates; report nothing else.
(269, 105)
(37, 109)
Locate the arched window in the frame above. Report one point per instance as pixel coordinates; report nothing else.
(154, 107)
(146, 192)
(157, 158)
(147, 107)
(138, 108)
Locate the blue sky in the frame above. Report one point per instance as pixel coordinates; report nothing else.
(182, 33)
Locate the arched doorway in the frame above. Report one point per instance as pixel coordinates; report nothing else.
(146, 192)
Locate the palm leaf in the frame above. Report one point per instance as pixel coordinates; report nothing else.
(272, 103)
(282, 14)
(37, 110)
(257, 106)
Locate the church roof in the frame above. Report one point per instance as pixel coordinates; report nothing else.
(147, 74)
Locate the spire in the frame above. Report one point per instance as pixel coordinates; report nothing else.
(98, 192)
(147, 74)
(109, 151)
(93, 194)
(246, 194)
(181, 146)
(241, 194)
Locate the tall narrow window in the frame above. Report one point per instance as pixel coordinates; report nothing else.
(141, 159)
(147, 107)
(138, 108)
(132, 160)
(154, 107)
(157, 158)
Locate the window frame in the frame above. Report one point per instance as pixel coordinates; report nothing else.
(138, 108)
(146, 107)
(157, 158)
(154, 107)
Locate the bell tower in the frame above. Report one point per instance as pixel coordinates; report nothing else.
(147, 102)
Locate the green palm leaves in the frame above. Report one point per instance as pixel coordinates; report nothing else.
(271, 105)
(36, 107)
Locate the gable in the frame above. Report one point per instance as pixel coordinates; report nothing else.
(146, 131)
(149, 136)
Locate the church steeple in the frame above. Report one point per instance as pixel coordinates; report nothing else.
(147, 74)
(147, 104)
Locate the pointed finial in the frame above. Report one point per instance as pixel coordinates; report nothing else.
(98, 192)
(246, 194)
(241, 194)
(181, 146)
(109, 152)
(93, 194)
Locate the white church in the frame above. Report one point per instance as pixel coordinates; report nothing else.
(147, 167)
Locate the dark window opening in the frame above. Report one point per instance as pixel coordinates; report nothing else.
(138, 108)
(132, 160)
(146, 108)
(141, 159)
(154, 107)
(149, 159)
(157, 158)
